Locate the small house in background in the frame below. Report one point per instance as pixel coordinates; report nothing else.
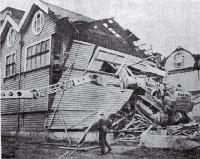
(184, 67)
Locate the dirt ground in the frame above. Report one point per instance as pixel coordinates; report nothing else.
(26, 149)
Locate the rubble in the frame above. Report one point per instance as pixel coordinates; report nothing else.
(129, 125)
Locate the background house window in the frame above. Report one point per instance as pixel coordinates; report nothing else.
(11, 37)
(179, 60)
(106, 62)
(37, 23)
(38, 55)
(10, 65)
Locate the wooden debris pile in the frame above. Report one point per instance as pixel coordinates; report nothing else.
(128, 125)
(190, 129)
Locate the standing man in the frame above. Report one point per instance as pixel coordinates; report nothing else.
(103, 130)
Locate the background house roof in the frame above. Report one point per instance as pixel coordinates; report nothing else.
(179, 48)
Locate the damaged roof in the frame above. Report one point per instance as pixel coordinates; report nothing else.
(61, 13)
(113, 27)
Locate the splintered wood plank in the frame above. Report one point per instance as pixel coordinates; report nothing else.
(130, 123)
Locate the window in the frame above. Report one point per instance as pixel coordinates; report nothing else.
(179, 60)
(38, 55)
(11, 37)
(105, 61)
(37, 23)
(10, 65)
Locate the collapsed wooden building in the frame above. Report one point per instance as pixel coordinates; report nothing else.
(51, 44)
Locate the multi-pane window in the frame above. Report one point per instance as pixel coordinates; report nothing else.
(10, 65)
(11, 37)
(105, 61)
(38, 22)
(38, 55)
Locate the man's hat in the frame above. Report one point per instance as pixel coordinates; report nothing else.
(101, 113)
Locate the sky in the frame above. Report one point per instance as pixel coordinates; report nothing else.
(164, 24)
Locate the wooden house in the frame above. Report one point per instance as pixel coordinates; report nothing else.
(38, 50)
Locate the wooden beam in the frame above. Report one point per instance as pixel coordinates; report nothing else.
(130, 123)
(54, 112)
(87, 130)
(63, 122)
(62, 156)
(74, 150)
(82, 120)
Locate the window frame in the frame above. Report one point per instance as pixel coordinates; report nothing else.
(9, 44)
(14, 64)
(34, 24)
(108, 51)
(38, 54)
(175, 60)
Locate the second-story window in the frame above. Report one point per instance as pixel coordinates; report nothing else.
(37, 23)
(10, 65)
(38, 55)
(106, 61)
(11, 37)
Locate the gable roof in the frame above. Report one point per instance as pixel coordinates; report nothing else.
(10, 17)
(8, 22)
(15, 14)
(47, 8)
(61, 13)
(179, 48)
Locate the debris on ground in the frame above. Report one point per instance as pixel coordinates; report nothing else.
(128, 125)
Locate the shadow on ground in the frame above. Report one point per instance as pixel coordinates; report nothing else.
(24, 148)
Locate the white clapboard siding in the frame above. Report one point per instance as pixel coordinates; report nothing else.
(84, 100)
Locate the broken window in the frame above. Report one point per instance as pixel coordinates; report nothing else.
(106, 61)
(108, 67)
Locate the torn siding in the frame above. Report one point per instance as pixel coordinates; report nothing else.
(80, 54)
